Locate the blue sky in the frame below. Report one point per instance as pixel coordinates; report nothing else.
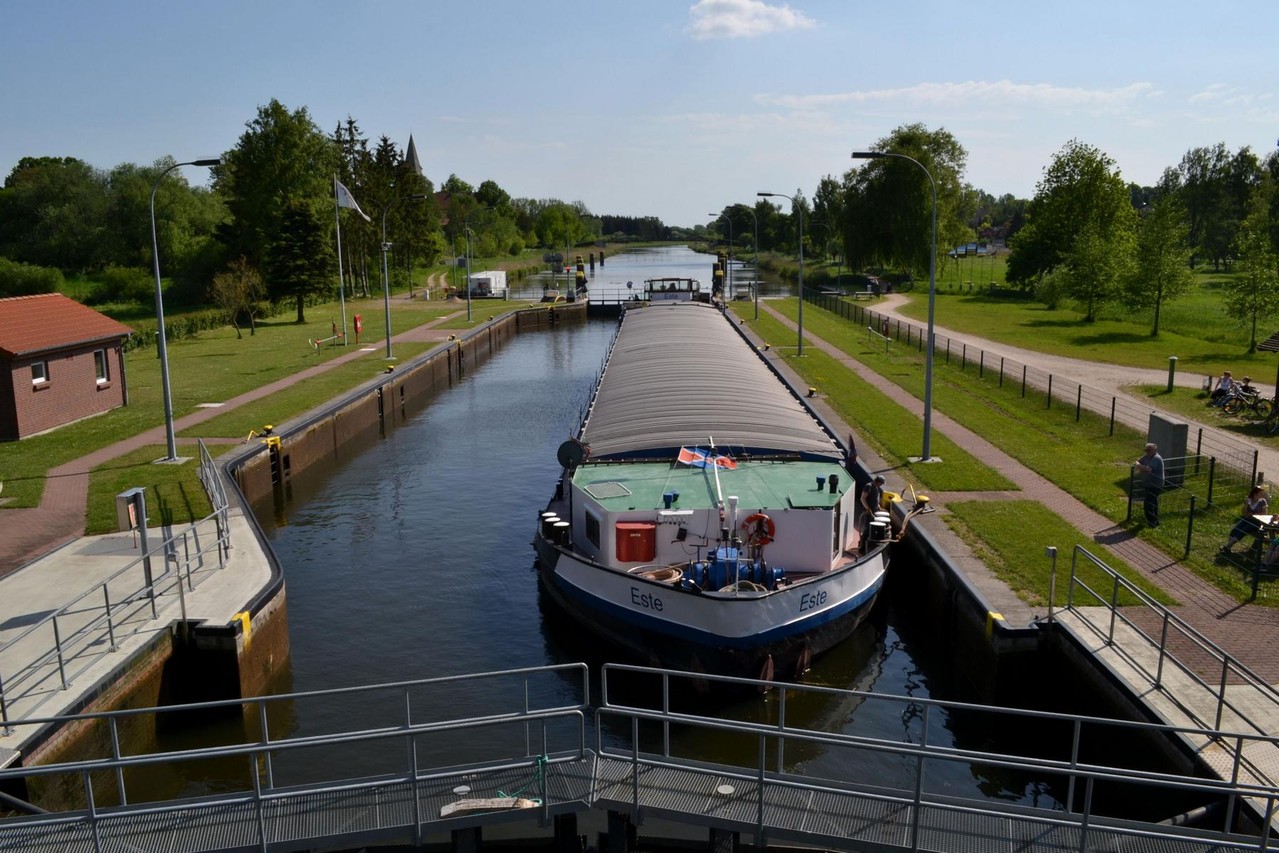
(668, 108)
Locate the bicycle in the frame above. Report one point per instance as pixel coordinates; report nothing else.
(1246, 397)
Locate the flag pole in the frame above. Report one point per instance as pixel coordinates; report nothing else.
(337, 219)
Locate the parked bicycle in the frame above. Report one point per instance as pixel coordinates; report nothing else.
(1245, 398)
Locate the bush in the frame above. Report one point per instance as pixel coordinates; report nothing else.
(28, 279)
(122, 284)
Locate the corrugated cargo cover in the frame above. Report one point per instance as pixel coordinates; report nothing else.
(679, 375)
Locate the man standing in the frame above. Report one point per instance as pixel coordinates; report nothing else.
(872, 501)
(1151, 466)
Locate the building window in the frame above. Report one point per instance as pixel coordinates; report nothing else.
(100, 366)
(592, 528)
(39, 373)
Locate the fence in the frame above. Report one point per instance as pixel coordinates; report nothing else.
(1204, 442)
(46, 658)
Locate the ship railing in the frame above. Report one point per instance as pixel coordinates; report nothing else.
(920, 767)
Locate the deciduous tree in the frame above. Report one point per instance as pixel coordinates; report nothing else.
(1162, 269)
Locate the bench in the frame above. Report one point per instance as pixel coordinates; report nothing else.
(863, 294)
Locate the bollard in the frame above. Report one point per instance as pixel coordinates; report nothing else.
(1172, 371)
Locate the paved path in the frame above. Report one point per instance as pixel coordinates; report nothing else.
(1248, 631)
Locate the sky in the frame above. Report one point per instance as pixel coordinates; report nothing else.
(666, 108)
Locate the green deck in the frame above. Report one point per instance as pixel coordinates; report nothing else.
(620, 487)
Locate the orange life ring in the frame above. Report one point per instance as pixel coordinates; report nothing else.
(759, 529)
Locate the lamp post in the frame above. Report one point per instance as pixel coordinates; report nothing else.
(386, 279)
(755, 250)
(800, 213)
(728, 270)
(161, 343)
(466, 229)
(932, 297)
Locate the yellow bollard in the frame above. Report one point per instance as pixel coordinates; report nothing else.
(991, 616)
(245, 625)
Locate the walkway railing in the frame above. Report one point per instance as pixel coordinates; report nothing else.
(397, 747)
(915, 769)
(1212, 687)
(60, 645)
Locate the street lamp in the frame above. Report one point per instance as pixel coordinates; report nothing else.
(161, 343)
(799, 212)
(755, 286)
(386, 279)
(466, 230)
(932, 297)
(728, 270)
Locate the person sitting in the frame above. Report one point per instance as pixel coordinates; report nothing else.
(1224, 386)
(1255, 504)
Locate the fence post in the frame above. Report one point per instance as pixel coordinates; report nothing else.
(1112, 416)
(963, 357)
(1079, 402)
(1212, 476)
(1132, 478)
(981, 364)
(1190, 527)
(1023, 381)
(1001, 371)
(1050, 392)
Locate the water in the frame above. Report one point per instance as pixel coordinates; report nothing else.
(411, 559)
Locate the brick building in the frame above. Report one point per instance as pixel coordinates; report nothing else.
(60, 361)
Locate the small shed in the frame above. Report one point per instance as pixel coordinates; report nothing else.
(60, 362)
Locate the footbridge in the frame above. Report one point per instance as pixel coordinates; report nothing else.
(526, 753)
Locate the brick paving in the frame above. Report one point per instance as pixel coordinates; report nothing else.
(1247, 631)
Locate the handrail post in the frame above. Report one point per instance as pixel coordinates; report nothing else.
(257, 801)
(92, 808)
(759, 792)
(919, 781)
(4, 711)
(1190, 527)
(57, 642)
(106, 599)
(115, 753)
(1163, 650)
(1221, 693)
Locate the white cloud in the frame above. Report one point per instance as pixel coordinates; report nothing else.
(975, 93)
(711, 19)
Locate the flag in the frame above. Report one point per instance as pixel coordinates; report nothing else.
(345, 199)
(698, 458)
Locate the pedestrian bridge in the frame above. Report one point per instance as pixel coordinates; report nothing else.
(527, 752)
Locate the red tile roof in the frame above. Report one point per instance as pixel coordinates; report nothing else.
(50, 321)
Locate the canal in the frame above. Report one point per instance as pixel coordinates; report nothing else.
(411, 558)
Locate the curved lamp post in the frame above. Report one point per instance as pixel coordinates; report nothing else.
(932, 297)
(755, 250)
(161, 343)
(728, 268)
(799, 212)
(386, 279)
(466, 232)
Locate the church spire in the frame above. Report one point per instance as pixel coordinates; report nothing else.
(411, 157)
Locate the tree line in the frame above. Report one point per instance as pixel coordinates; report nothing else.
(263, 230)
(1086, 235)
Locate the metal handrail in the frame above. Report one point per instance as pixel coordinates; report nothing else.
(1071, 769)
(102, 626)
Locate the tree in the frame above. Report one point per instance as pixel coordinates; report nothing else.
(300, 261)
(1162, 269)
(1255, 293)
(889, 202)
(1081, 197)
(239, 290)
(1215, 188)
(281, 160)
(53, 213)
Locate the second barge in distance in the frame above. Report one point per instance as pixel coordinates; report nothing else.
(704, 518)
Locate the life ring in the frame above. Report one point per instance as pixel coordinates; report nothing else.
(759, 529)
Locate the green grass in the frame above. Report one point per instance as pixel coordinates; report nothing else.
(1194, 328)
(174, 494)
(996, 530)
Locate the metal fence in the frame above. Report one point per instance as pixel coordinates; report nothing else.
(1228, 451)
(60, 645)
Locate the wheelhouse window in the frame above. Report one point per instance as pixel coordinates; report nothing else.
(39, 373)
(101, 366)
(592, 528)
